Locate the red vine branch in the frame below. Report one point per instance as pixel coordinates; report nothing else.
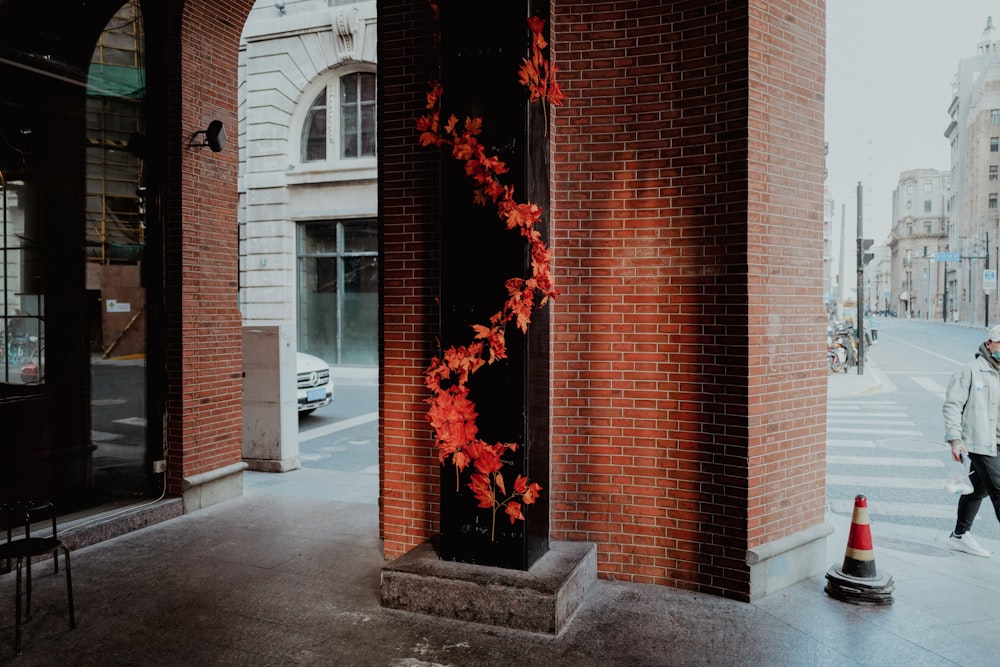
(452, 414)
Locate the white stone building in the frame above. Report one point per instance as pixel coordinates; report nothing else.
(829, 296)
(308, 201)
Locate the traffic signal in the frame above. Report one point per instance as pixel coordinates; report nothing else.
(865, 257)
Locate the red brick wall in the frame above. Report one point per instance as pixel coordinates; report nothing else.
(788, 371)
(649, 207)
(204, 338)
(408, 197)
(688, 384)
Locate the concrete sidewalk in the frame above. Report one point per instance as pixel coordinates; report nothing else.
(851, 383)
(279, 579)
(289, 574)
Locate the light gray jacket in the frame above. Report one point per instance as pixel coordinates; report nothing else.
(971, 403)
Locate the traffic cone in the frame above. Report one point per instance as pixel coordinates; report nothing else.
(857, 580)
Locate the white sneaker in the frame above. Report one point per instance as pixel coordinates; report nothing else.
(968, 544)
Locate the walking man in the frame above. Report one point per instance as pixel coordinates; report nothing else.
(971, 404)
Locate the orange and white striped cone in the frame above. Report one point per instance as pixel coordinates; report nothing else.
(859, 559)
(857, 580)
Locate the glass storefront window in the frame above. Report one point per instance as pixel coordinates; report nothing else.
(115, 245)
(22, 323)
(338, 291)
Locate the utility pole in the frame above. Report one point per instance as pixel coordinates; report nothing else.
(944, 306)
(841, 275)
(863, 258)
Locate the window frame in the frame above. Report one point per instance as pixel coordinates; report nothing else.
(340, 255)
(360, 105)
(330, 82)
(305, 133)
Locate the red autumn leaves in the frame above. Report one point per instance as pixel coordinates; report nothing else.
(452, 414)
(537, 73)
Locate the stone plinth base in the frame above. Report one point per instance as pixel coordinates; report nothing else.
(542, 599)
(787, 561)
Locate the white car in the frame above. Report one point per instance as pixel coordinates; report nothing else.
(315, 386)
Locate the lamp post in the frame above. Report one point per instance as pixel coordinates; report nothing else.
(863, 258)
(878, 289)
(927, 290)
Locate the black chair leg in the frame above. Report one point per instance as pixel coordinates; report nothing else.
(17, 612)
(27, 596)
(69, 590)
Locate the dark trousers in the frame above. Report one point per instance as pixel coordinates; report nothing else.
(985, 477)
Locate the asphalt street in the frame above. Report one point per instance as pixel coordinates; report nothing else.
(343, 435)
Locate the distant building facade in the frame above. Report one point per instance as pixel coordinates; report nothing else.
(829, 296)
(878, 281)
(920, 223)
(974, 135)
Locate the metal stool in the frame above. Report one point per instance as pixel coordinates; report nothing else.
(23, 549)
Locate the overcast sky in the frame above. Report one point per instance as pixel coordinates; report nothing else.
(890, 64)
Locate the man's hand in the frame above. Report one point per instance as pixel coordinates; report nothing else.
(958, 450)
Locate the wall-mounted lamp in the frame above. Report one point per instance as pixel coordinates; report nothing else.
(280, 6)
(214, 137)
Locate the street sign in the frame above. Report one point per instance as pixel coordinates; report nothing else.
(946, 257)
(989, 280)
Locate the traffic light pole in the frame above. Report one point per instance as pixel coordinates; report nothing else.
(861, 291)
(944, 306)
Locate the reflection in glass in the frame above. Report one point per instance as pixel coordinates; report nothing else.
(22, 326)
(116, 242)
(314, 130)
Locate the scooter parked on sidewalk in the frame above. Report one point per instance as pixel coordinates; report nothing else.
(842, 347)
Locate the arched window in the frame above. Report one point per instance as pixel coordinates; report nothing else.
(314, 130)
(357, 115)
(356, 120)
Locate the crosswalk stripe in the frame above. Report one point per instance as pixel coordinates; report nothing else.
(901, 462)
(858, 426)
(865, 420)
(344, 424)
(861, 481)
(855, 415)
(862, 405)
(929, 385)
(877, 431)
(920, 510)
